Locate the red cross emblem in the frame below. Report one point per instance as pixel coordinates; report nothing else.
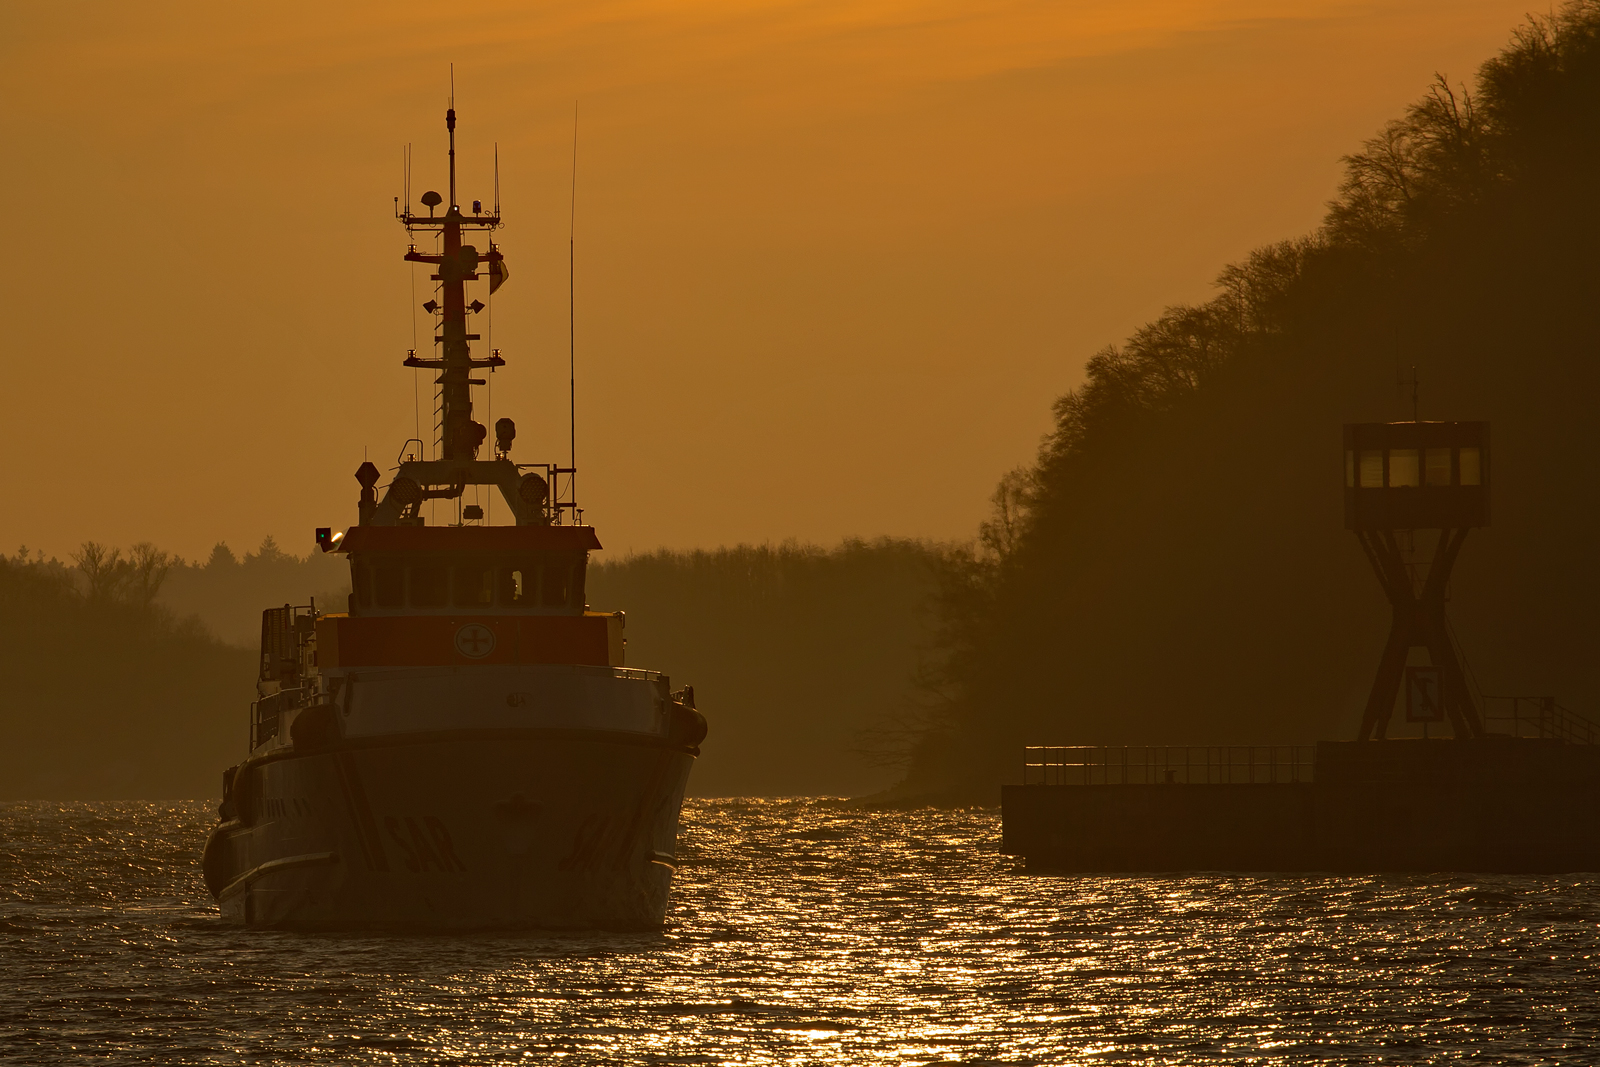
(474, 640)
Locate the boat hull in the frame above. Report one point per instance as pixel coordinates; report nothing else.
(463, 830)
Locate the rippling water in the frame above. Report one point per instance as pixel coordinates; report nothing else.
(800, 932)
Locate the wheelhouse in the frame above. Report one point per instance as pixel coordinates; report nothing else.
(484, 570)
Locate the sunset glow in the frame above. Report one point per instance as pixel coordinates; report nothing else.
(803, 232)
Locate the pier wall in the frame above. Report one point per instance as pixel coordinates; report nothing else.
(1433, 809)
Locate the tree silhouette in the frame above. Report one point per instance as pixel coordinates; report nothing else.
(1172, 569)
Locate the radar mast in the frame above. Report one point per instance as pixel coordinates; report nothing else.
(460, 437)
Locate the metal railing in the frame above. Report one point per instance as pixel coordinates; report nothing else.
(1539, 717)
(1167, 764)
(267, 713)
(636, 673)
(263, 720)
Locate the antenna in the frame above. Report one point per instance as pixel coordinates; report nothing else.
(1400, 379)
(1413, 382)
(450, 124)
(572, 312)
(496, 191)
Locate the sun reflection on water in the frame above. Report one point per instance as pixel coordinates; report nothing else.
(801, 931)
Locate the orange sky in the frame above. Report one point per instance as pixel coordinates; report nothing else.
(835, 260)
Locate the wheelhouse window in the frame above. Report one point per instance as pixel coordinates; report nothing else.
(556, 591)
(391, 586)
(1471, 467)
(429, 586)
(361, 576)
(532, 581)
(474, 586)
(519, 586)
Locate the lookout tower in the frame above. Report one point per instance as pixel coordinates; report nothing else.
(1519, 800)
(1412, 491)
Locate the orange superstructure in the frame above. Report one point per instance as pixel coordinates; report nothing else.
(593, 638)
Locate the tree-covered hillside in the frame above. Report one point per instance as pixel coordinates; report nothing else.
(108, 695)
(1173, 568)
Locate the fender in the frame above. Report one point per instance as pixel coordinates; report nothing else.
(686, 727)
(315, 728)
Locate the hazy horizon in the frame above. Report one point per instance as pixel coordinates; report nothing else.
(834, 262)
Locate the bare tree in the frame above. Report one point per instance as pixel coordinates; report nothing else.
(147, 569)
(112, 578)
(104, 569)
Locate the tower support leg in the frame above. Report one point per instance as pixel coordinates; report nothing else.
(1418, 620)
(1386, 686)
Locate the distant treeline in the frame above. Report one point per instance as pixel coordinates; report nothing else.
(1173, 568)
(228, 593)
(107, 694)
(798, 654)
(119, 683)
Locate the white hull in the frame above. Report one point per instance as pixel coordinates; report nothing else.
(462, 799)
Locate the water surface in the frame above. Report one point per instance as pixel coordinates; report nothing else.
(800, 932)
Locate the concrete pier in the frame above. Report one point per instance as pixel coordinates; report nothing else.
(1491, 804)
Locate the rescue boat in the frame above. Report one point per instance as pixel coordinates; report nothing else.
(464, 747)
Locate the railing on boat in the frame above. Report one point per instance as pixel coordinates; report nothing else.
(1167, 764)
(267, 713)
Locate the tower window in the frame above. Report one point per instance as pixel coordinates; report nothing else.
(1437, 466)
(1404, 469)
(1372, 469)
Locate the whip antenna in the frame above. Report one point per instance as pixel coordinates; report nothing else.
(572, 312)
